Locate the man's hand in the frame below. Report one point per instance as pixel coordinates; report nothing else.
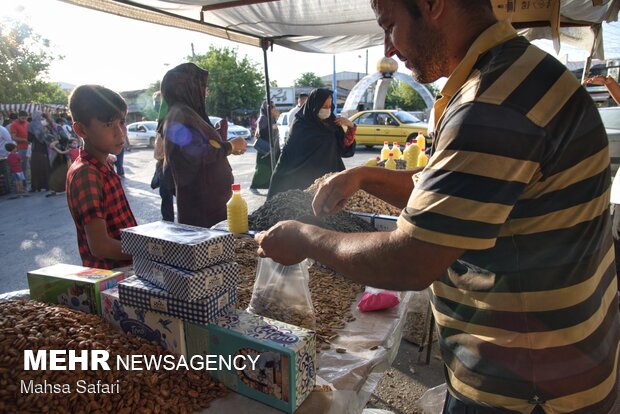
(598, 80)
(282, 243)
(334, 192)
(340, 121)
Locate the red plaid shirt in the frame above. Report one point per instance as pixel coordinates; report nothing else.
(94, 190)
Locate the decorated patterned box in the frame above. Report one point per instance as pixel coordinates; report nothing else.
(188, 284)
(75, 286)
(142, 294)
(179, 245)
(286, 367)
(164, 330)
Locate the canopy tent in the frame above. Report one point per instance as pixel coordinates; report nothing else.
(30, 108)
(334, 26)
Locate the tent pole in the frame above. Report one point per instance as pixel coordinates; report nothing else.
(265, 44)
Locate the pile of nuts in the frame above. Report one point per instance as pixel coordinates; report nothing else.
(37, 326)
(332, 294)
(297, 205)
(361, 201)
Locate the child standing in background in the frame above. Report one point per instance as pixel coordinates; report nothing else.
(14, 160)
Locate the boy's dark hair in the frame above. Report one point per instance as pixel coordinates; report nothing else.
(23, 113)
(93, 101)
(9, 146)
(13, 116)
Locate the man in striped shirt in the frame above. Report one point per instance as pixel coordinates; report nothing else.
(509, 222)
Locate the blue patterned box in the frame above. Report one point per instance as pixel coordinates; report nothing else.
(142, 294)
(188, 284)
(286, 367)
(179, 245)
(152, 326)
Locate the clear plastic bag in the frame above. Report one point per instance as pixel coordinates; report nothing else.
(433, 400)
(282, 293)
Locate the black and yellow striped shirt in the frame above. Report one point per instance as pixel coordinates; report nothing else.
(520, 178)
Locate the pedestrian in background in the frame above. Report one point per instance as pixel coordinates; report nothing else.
(264, 150)
(39, 160)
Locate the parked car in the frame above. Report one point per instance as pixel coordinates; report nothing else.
(142, 133)
(611, 120)
(282, 123)
(379, 125)
(234, 130)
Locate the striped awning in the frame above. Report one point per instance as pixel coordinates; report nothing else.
(30, 107)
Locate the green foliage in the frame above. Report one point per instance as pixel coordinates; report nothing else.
(234, 84)
(309, 79)
(151, 111)
(402, 96)
(25, 58)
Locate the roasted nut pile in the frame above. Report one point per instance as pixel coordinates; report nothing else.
(361, 201)
(332, 294)
(297, 205)
(37, 326)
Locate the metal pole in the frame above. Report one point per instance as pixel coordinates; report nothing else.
(334, 85)
(265, 44)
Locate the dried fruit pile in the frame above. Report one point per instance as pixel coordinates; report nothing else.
(36, 326)
(361, 201)
(297, 205)
(332, 294)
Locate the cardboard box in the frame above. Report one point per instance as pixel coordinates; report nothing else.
(178, 245)
(142, 294)
(188, 284)
(75, 286)
(164, 330)
(286, 368)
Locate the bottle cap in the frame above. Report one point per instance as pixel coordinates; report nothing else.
(385, 143)
(420, 132)
(236, 187)
(391, 154)
(408, 144)
(395, 144)
(378, 158)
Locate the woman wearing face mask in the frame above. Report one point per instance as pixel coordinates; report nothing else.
(316, 145)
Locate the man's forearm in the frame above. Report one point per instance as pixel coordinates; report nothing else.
(391, 186)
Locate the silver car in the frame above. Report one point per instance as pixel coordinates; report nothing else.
(611, 120)
(234, 131)
(142, 133)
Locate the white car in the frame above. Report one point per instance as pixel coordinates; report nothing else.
(282, 123)
(142, 133)
(234, 131)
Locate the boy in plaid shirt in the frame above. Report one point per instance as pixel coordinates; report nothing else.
(94, 192)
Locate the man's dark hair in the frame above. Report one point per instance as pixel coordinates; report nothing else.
(23, 113)
(13, 116)
(303, 95)
(93, 101)
(9, 146)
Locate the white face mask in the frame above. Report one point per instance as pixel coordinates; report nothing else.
(324, 113)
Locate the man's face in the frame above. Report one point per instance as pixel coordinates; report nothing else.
(301, 100)
(414, 40)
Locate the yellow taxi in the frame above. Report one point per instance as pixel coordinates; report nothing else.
(379, 125)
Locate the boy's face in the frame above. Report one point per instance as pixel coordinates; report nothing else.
(103, 138)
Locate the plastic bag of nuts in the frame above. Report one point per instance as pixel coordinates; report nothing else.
(282, 293)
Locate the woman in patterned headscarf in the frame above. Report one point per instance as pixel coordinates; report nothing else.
(194, 150)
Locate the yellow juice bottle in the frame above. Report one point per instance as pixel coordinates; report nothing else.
(390, 164)
(396, 150)
(385, 150)
(412, 156)
(237, 211)
(421, 139)
(422, 159)
(406, 151)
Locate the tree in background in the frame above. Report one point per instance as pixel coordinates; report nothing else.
(234, 84)
(309, 79)
(25, 58)
(402, 96)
